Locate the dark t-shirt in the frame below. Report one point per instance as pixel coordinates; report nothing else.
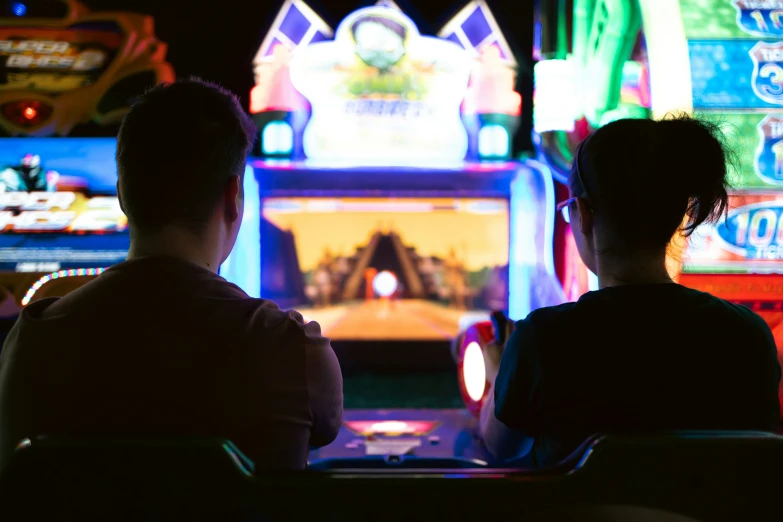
(636, 359)
(162, 347)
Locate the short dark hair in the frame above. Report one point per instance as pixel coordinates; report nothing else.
(177, 148)
(647, 176)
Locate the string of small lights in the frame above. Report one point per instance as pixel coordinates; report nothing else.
(75, 272)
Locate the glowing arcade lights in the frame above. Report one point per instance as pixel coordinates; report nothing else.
(18, 9)
(27, 113)
(77, 272)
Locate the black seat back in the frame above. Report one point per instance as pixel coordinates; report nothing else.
(705, 475)
(124, 479)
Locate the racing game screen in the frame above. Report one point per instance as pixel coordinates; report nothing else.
(386, 269)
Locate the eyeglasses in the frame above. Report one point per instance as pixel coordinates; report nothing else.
(564, 207)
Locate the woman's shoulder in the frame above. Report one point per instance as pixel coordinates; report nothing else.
(540, 323)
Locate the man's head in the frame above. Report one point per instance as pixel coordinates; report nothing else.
(181, 154)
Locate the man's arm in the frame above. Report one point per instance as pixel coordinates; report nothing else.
(324, 386)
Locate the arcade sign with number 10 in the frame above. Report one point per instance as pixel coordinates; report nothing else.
(754, 232)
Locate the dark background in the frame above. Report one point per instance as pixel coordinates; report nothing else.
(218, 39)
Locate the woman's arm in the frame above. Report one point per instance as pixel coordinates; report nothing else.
(502, 442)
(509, 418)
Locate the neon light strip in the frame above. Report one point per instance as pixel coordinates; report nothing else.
(667, 50)
(75, 272)
(549, 223)
(243, 265)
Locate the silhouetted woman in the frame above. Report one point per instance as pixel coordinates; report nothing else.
(642, 353)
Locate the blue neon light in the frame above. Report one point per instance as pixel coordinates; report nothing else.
(494, 142)
(277, 138)
(532, 280)
(19, 9)
(243, 266)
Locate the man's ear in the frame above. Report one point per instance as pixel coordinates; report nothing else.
(585, 216)
(231, 198)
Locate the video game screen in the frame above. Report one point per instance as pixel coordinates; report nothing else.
(58, 205)
(386, 269)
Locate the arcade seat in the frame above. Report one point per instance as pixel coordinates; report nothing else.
(611, 514)
(125, 479)
(715, 476)
(668, 477)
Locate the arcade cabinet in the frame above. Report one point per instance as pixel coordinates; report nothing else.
(67, 72)
(393, 212)
(719, 58)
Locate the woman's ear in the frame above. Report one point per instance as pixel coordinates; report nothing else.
(585, 216)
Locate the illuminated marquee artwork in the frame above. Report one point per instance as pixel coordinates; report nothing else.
(750, 240)
(52, 54)
(54, 65)
(769, 155)
(760, 17)
(382, 91)
(74, 67)
(376, 91)
(767, 79)
(754, 231)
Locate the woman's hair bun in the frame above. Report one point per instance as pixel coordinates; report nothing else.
(647, 176)
(699, 166)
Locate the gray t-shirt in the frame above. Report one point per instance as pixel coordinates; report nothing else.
(159, 347)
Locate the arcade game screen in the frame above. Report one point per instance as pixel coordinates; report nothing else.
(391, 269)
(58, 205)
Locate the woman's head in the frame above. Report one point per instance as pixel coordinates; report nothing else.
(639, 181)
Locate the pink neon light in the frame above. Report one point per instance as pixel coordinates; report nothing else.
(275, 90)
(391, 427)
(491, 89)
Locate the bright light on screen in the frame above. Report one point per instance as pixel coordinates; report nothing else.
(335, 260)
(385, 284)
